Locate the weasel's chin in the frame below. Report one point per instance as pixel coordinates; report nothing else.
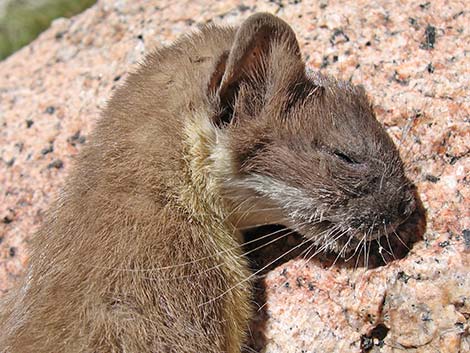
(331, 237)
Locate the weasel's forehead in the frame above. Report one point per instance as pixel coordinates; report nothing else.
(326, 81)
(316, 77)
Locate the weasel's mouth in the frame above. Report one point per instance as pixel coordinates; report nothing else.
(374, 232)
(327, 236)
(385, 242)
(342, 239)
(270, 245)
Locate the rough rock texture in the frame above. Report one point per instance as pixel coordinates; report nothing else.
(413, 59)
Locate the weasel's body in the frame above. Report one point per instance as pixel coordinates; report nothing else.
(141, 253)
(140, 201)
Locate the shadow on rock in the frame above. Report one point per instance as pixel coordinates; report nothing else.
(268, 247)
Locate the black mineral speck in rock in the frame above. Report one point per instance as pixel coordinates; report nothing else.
(413, 23)
(338, 36)
(377, 334)
(366, 343)
(76, 138)
(12, 251)
(29, 123)
(430, 68)
(243, 8)
(396, 78)
(466, 237)
(403, 276)
(57, 164)
(59, 35)
(425, 6)
(279, 3)
(50, 110)
(429, 37)
(453, 159)
(432, 178)
(47, 150)
(426, 316)
(10, 162)
(7, 220)
(444, 244)
(19, 146)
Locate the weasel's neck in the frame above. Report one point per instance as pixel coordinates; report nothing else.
(202, 190)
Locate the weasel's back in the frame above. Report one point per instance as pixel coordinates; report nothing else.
(93, 283)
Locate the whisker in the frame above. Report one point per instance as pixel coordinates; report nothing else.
(319, 250)
(401, 241)
(253, 274)
(243, 215)
(305, 252)
(364, 248)
(380, 250)
(260, 210)
(389, 245)
(361, 242)
(368, 254)
(252, 210)
(238, 256)
(322, 248)
(188, 262)
(260, 225)
(355, 251)
(343, 248)
(249, 199)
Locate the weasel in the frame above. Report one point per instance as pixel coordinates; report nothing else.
(218, 132)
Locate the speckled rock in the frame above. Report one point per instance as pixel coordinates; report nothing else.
(418, 304)
(413, 59)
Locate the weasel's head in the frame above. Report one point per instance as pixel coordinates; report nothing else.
(303, 150)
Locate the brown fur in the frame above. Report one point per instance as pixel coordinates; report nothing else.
(140, 252)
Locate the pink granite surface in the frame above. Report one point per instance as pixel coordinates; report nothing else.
(414, 60)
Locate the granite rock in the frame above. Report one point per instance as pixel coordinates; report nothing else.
(412, 58)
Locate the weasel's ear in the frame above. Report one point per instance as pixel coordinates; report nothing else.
(260, 40)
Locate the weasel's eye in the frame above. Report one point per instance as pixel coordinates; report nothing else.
(344, 157)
